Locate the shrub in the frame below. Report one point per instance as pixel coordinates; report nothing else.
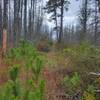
(85, 58)
(14, 72)
(72, 83)
(37, 67)
(24, 50)
(89, 94)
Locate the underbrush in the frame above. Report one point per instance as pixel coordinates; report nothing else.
(85, 58)
(74, 65)
(33, 87)
(44, 45)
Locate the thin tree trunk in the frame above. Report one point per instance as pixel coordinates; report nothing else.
(25, 19)
(0, 22)
(56, 24)
(5, 24)
(85, 20)
(96, 23)
(61, 20)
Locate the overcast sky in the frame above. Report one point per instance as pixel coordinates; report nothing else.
(71, 15)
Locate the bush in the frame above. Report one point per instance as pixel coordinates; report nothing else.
(24, 50)
(89, 94)
(85, 58)
(72, 84)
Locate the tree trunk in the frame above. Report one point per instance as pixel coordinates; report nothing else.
(96, 23)
(0, 22)
(61, 20)
(4, 43)
(56, 24)
(85, 19)
(25, 19)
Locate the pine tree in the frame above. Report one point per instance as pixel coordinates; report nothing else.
(53, 6)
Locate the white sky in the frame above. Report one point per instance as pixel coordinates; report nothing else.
(71, 15)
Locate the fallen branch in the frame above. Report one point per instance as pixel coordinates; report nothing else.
(97, 91)
(93, 73)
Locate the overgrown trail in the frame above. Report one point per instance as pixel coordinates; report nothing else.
(56, 68)
(52, 88)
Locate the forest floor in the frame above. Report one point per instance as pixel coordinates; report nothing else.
(66, 72)
(53, 72)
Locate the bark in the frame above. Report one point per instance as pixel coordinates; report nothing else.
(55, 11)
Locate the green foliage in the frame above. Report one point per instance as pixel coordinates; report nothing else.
(6, 93)
(89, 94)
(36, 69)
(24, 50)
(72, 83)
(33, 63)
(85, 57)
(38, 94)
(14, 53)
(35, 93)
(82, 51)
(75, 80)
(91, 89)
(14, 72)
(14, 83)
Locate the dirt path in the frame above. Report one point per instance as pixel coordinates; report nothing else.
(53, 89)
(55, 70)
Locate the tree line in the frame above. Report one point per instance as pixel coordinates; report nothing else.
(24, 19)
(21, 19)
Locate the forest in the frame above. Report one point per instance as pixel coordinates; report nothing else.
(49, 49)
